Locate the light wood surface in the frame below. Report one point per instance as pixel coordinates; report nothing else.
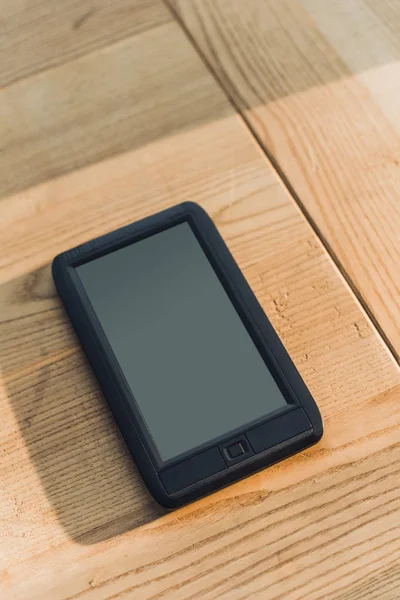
(36, 35)
(319, 84)
(75, 519)
(100, 105)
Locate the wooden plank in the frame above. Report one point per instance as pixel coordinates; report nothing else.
(41, 34)
(95, 107)
(319, 84)
(71, 501)
(334, 536)
(68, 480)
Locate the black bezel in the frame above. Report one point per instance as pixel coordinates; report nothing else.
(115, 387)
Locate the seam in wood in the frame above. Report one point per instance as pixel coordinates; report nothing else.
(230, 95)
(80, 55)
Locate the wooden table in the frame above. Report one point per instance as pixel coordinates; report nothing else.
(282, 119)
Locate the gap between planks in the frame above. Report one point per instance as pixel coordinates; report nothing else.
(289, 188)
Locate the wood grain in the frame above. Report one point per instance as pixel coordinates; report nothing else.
(318, 82)
(68, 481)
(331, 537)
(38, 34)
(323, 524)
(98, 106)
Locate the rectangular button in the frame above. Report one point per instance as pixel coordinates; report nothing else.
(235, 450)
(278, 430)
(193, 469)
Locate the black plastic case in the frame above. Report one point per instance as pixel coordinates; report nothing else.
(230, 458)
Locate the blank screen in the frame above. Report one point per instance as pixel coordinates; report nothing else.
(192, 367)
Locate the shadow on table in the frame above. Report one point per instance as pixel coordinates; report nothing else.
(74, 444)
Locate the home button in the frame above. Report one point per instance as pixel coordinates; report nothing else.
(236, 450)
